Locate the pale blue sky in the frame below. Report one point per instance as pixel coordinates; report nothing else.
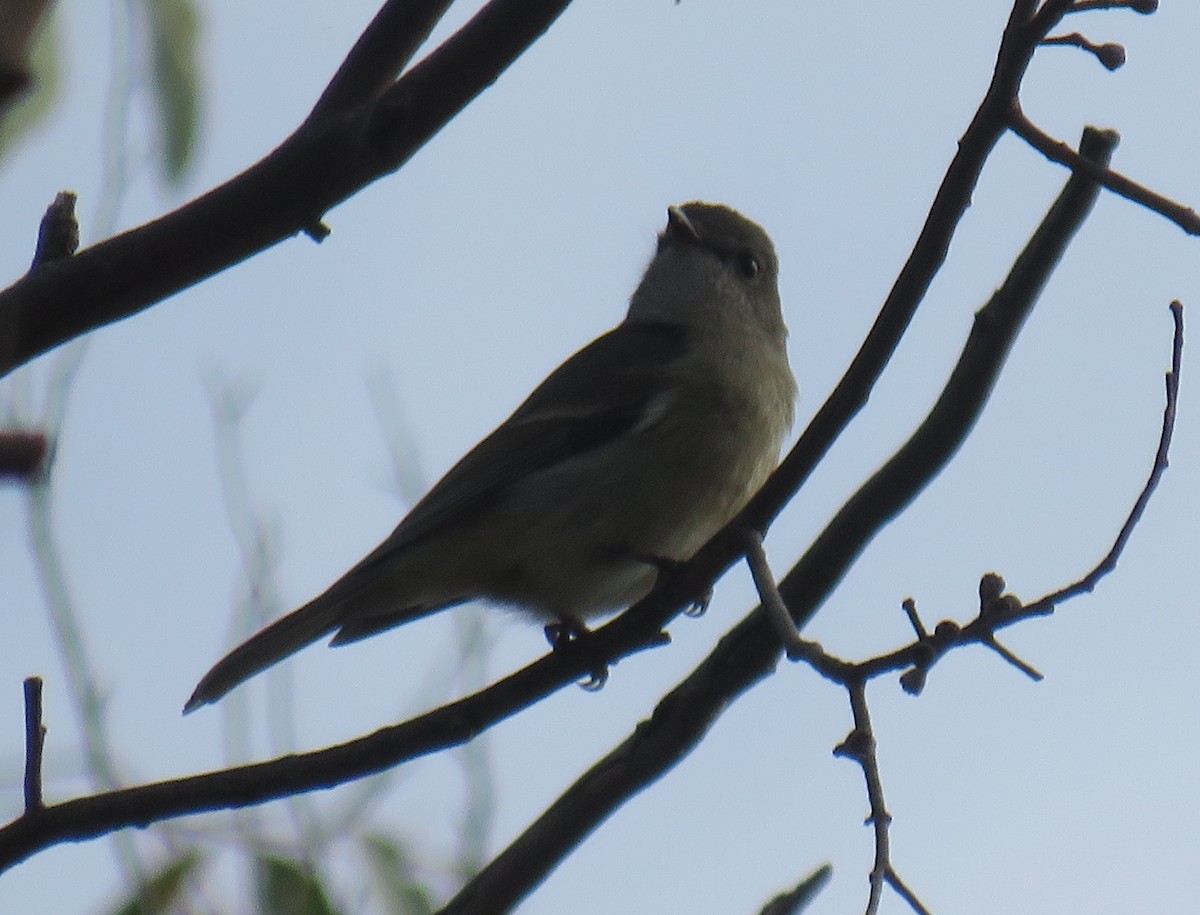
(514, 238)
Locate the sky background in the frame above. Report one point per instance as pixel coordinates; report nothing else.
(508, 242)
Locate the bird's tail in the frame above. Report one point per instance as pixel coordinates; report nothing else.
(283, 637)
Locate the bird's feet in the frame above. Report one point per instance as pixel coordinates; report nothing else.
(571, 635)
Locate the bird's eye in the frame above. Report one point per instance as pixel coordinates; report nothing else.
(747, 264)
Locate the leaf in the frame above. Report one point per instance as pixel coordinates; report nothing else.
(287, 887)
(796, 900)
(393, 869)
(175, 78)
(32, 108)
(158, 892)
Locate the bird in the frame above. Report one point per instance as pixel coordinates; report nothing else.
(626, 459)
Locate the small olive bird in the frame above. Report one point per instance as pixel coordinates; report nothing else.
(629, 456)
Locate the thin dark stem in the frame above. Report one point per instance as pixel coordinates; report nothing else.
(939, 436)
(1057, 151)
(35, 739)
(1023, 666)
(928, 254)
(768, 593)
(1110, 55)
(900, 888)
(1088, 582)
(860, 747)
(998, 610)
(1144, 7)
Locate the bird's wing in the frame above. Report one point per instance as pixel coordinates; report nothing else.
(595, 396)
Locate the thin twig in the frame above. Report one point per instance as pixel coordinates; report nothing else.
(1058, 151)
(1110, 54)
(914, 618)
(860, 747)
(1088, 582)
(1026, 668)
(35, 739)
(381, 52)
(58, 232)
(999, 610)
(768, 592)
(901, 889)
(1143, 7)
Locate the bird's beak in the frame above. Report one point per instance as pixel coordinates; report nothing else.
(677, 221)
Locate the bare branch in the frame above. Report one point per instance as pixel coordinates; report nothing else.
(1057, 151)
(1086, 584)
(380, 53)
(1111, 55)
(999, 610)
(1143, 7)
(860, 747)
(928, 254)
(768, 593)
(938, 437)
(327, 160)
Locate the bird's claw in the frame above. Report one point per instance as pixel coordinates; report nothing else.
(570, 634)
(699, 606)
(595, 680)
(566, 632)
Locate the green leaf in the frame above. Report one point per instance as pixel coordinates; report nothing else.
(31, 109)
(287, 887)
(393, 870)
(158, 893)
(175, 78)
(805, 892)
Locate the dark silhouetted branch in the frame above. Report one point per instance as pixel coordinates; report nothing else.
(333, 155)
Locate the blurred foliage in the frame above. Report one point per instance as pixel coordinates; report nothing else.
(158, 893)
(174, 38)
(37, 101)
(393, 871)
(798, 899)
(173, 51)
(287, 887)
